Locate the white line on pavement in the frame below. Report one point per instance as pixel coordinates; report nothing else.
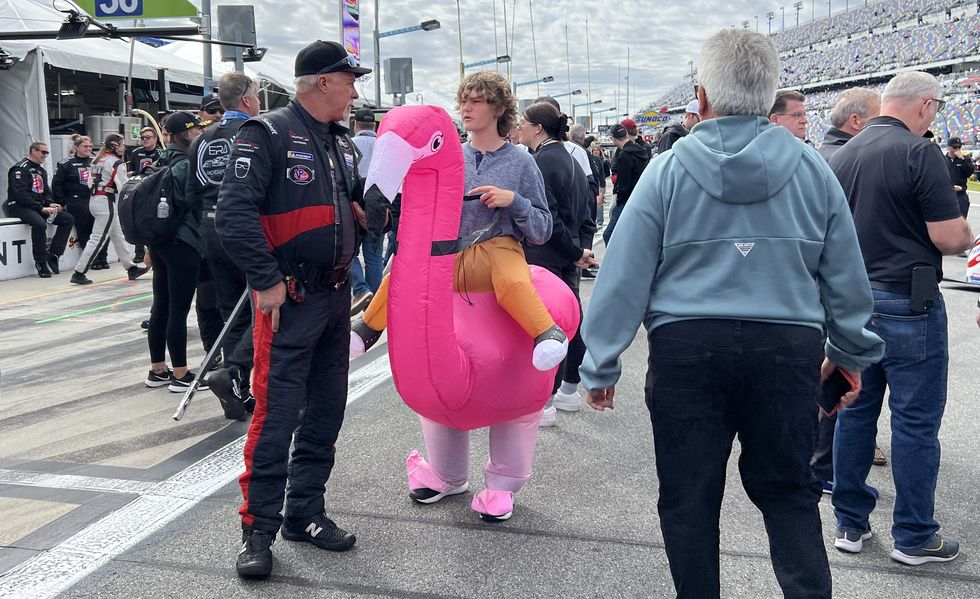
(54, 571)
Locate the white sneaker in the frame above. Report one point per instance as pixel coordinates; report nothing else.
(549, 417)
(569, 402)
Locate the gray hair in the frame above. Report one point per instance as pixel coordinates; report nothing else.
(913, 85)
(304, 83)
(857, 100)
(577, 132)
(232, 87)
(739, 72)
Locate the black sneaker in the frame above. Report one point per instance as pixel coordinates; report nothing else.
(52, 260)
(79, 278)
(136, 272)
(158, 379)
(360, 303)
(182, 384)
(100, 265)
(42, 270)
(320, 531)
(938, 549)
(249, 403)
(255, 558)
(145, 325)
(588, 274)
(226, 383)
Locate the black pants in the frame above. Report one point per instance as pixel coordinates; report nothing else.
(576, 347)
(822, 462)
(174, 280)
(78, 208)
(38, 222)
(300, 389)
(209, 321)
(708, 381)
(229, 284)
(964, 202)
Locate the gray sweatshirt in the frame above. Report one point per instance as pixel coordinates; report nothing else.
(512, 169)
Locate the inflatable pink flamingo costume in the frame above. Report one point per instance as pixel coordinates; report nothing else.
(457, 358)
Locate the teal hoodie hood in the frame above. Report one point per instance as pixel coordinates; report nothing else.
(739, 220)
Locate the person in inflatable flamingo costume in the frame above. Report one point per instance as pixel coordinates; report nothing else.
(458, 359)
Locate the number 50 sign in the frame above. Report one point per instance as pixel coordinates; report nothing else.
(138, 9)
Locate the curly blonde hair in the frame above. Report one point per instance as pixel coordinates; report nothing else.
(495, 89)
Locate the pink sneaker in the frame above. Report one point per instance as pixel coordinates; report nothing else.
(424, 484)
(493, 506)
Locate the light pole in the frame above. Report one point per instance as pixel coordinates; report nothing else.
(782, 11)
(574, 106)
(423, 26)
(769, 17)
(798, 6)
(574, 92)
(499, 60)
(546, 79)
(745, 24)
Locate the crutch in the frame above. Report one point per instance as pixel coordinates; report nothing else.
(210, 358)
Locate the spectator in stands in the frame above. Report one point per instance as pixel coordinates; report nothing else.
(29, 199)
(630, 164)
(365, 280)
(960, 169)
(72, 186)
(175, 266)
(853, 110)
(907, 218)
(211, 109)
(789, 111)
(679, 130)
(108, 178)
(735, 348)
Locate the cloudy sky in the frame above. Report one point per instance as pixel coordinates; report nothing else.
(660, 37)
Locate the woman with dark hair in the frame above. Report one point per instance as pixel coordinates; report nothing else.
(543, 130)
(175, 266)
(70, 186)
(108, 177)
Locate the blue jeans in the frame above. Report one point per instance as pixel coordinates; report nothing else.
(914, 370)
(708, 381)
(367, 278)
(613, 217)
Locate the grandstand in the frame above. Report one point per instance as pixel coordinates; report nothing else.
(868, 44)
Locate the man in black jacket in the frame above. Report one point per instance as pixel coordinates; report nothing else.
(679, 130)
(960, 169)
(209, 154)
(854, 108)
(29, 199)
(632, 160)
(286, 217)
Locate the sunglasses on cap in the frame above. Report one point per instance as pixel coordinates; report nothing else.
(348, 61)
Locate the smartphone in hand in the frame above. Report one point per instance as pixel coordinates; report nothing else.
(833, 389)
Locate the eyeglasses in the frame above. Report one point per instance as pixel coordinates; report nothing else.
(940, 104)
(347, 60)
(44, 152)
(146, 137)
(798, 116)
(214, 110)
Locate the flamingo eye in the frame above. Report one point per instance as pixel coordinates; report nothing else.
(436, 144)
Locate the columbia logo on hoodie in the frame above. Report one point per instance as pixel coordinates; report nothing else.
(744, 247)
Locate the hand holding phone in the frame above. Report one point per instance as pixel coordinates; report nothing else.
(838, 388)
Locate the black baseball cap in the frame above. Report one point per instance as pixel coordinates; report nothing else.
(955, 142)
(182, 121)
(617, 131)
(364, 115)
(326, 57)
(209, 101)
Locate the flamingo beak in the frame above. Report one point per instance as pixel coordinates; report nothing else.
(390, 160)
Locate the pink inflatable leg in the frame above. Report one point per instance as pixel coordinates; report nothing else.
(512, 453)
(448, 450)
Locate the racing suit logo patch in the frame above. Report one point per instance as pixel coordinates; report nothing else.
(242, 166)
(300, 174)
(37, 184)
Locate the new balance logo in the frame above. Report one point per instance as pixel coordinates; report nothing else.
(744, 248)
(313, 530)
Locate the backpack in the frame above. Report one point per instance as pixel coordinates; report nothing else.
(147, 213)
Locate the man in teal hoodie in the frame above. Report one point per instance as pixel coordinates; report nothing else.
(736, 251)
